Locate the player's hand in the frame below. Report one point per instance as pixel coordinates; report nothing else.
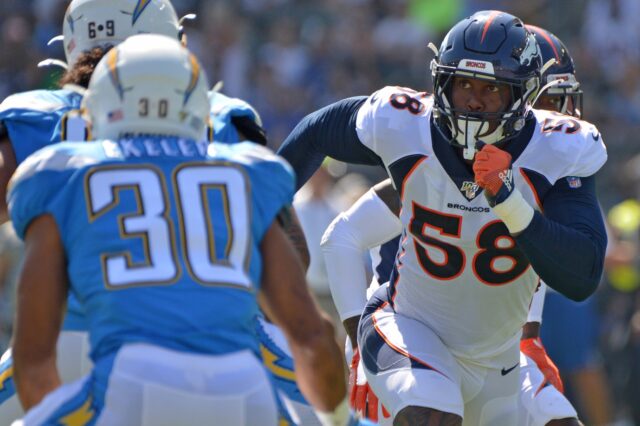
(492, 169)
(362, 399)
(534, 349)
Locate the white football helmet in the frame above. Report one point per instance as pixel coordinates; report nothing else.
(149, 84)
(92, 23)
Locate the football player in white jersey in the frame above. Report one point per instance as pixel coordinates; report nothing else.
(495, 196)
(344, 245)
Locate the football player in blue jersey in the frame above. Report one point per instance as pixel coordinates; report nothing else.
(32, 120)
(39, 118)
(43, 117)
(494, 196)
(153, 230)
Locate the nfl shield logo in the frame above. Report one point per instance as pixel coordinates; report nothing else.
(574, 182)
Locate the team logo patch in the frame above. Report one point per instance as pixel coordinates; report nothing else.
(71, 23)
(574, 182)
(530, 51)
(140, 6)
(469, 189)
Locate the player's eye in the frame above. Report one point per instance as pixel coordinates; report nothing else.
(493, 88)
(464, 83)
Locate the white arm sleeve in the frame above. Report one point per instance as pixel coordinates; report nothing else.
(368, 223)
(537, 304)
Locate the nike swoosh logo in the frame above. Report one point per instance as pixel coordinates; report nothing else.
(506, 371)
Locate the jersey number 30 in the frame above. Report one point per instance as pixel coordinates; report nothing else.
(195, 188)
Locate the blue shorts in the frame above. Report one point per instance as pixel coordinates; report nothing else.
(570, 331)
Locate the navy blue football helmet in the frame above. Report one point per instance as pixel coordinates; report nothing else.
(567, 92)
(489, 45)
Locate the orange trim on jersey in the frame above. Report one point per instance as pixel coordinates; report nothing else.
(487, 24)
(394, 347)
(399, 265)
(542, 33)
(421, 244)
(404, 181)
(395, 285)
(481, 251)
(533, 189)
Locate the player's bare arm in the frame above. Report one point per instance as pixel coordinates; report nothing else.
(389, 195)
(42, 292)
(318, 360)
(288, 220)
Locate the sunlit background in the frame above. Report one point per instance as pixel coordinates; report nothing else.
(289, 58)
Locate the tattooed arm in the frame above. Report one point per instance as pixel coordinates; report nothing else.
(290, 223)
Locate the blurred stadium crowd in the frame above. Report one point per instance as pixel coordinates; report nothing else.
(290, 57)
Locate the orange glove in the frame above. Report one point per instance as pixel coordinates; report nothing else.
(362, 399)
(492, 169)
(534, 349)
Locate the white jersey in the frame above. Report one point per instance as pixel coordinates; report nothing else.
(459, 271)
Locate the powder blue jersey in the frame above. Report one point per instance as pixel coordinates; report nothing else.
(39, 118)
(35, 119)
(223, 109)
(162, 235)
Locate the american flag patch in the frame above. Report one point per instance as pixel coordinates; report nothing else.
(115, 115)
(574, 182)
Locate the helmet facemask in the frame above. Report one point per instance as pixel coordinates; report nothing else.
(567, 90)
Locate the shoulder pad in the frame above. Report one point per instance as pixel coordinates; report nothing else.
(44, 101)
(565, 146)
(391, 119)
(56, 157)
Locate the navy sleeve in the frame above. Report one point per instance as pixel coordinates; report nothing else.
(330, 131)
(566, 245)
